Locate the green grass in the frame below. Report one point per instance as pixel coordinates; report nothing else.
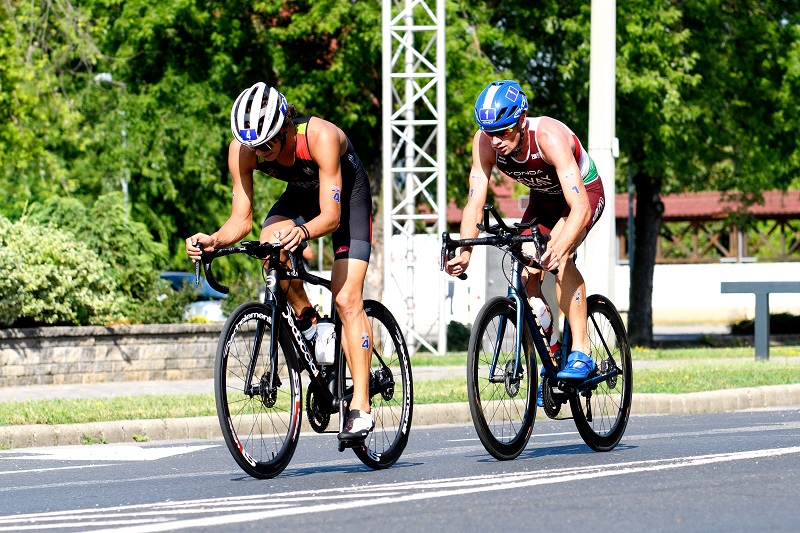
(673, 354)
(450, 359)
(704, 371)
(82, 410)
(706, 376)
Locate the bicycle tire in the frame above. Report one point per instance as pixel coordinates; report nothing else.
(602, 416)
(261, 430)
(503, 412)
(392, 408)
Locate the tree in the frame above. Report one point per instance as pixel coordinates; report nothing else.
(40, 44)
(699, 87)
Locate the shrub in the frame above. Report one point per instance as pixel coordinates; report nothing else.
(162, 305)
(779, 323)
(134, 258)
(48, 276)
(245, 288)
(457, 337)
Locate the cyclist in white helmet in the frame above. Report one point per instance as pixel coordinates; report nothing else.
(566, 197)
(327, 192)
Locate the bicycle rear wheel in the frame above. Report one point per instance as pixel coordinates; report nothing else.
(502, 401)
(391, 394)
(259, 417)
(601, 414)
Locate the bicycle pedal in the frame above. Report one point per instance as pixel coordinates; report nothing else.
(350, 444)
(355, 443)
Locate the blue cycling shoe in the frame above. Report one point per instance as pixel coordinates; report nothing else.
(539, 400)
(579, 366)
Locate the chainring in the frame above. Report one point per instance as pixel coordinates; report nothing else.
(551, 407)
(317, 419)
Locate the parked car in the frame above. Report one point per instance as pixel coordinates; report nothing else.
(209, 301)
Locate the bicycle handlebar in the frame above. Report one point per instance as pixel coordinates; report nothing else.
(501, 235)
(258, 250)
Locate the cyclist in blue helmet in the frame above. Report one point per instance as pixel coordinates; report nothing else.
(566, 196)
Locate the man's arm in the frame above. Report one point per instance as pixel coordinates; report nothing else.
(555, 144)
(328, 141)
(483, 157)
(241, 163)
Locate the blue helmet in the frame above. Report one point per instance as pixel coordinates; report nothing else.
(500, 105)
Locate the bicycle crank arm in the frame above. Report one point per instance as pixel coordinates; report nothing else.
(593, 382)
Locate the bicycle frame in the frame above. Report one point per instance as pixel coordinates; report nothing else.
(330, 398)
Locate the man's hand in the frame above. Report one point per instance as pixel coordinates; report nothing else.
(555, 256)
(206, 241)
(457, 265)
(290, 237)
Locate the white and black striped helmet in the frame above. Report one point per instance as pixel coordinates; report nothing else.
(257, 115)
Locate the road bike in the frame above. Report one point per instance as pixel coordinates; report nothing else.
(501, 363)
(257, 374)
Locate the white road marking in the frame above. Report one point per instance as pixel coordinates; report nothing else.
(534, 436)
(109, 453)
(50, 469)
(221, 512)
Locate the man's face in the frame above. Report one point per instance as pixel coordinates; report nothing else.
(272, 148)
(504, 141)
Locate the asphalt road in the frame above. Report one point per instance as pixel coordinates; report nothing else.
(711, 472)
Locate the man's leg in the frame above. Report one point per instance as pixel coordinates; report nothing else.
(347, 285)
(571, 295)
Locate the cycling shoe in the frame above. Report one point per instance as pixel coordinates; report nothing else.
(357, 426)
(579, 366)
(539, 399)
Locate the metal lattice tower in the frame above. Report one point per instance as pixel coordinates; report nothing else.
(414, 186)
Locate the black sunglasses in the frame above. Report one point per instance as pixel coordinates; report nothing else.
(266, 146)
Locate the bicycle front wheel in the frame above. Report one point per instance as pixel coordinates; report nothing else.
(390, 389)
(601, 414)
(258, 400)
(502, 393)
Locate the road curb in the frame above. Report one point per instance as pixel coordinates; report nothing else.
(451, 413)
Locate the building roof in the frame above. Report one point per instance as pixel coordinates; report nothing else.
(713, 204)
(682, 206)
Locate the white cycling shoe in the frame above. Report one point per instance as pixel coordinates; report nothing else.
(358, 426)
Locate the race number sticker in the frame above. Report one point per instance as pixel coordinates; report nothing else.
(337, 194)
(248, 135)
(487, 114)
(365, 340)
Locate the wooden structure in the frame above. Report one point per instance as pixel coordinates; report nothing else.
(698, 227)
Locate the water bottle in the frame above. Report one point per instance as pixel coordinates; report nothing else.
(325, 348)
(546, 320)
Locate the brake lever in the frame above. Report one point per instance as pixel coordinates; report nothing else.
(197, 265)
(448, 254)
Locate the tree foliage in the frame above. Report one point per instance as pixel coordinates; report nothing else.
(101, 96)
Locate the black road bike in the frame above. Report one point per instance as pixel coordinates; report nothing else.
(257, 375)
(501, 364)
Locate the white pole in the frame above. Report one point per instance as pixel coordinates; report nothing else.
(441, 158)
(387, 188)
(597, 260)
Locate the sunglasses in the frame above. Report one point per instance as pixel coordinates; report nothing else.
(502, 134)
(267, 145)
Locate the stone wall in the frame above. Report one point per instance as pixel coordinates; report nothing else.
(92, 354)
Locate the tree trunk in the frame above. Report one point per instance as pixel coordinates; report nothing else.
(649, 210)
